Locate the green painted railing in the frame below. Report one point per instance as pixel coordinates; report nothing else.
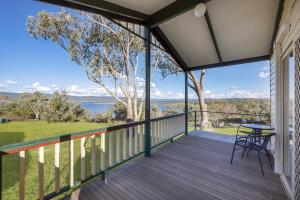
(118, 144)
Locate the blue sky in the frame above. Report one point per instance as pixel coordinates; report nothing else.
(28, 65)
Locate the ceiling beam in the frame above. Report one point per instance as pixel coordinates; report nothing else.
(234, 62)
(104, 8)
(163, 40)
(212, 34)
(172, 10)
(277, 23)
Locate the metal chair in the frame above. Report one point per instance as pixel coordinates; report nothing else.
(255, 142)
(240, 137)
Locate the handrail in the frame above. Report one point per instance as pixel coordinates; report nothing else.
(229, 113)
(166, 117)
(17, 147)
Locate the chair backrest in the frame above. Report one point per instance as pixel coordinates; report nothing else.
(238, 131)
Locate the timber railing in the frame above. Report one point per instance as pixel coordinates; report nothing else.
(217, 119)
(109, 147)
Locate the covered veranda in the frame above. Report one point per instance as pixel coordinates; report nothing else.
(226, 32)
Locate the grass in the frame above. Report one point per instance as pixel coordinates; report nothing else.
(230, 131)
(15, 132)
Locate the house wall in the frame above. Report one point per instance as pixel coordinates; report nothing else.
(286, 41)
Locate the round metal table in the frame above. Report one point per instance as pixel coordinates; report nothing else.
(258, 127)
(257, 130)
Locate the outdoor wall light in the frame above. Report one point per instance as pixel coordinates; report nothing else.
(200, 10)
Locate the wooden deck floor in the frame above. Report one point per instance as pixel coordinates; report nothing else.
(190, 168)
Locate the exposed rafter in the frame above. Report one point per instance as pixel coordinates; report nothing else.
(234, 62)
(277, 23)
(104, 8)
(163, 40)
(172, 10)
(114, 11)
(212, 33)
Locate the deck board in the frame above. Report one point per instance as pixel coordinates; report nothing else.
(190, 168)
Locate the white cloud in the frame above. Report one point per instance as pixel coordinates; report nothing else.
(95, 90)
(141, 82)
(207, 92)
(165, 94)
(247, 94)
(36, 86)
(263, 74)
(233, 93)
(265, 68)
(76, 90)
(2, 87)
(11, 82)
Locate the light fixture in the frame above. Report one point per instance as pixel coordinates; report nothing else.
(200, 10)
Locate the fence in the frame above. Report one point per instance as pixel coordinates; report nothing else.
(226, 119)
(109, 147)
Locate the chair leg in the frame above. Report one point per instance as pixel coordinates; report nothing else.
(261, 167)
(243, 152)
(232, 153)
(269, 157)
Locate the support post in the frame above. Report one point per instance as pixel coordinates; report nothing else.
(186, 101)
(147, 97)
(195, 120)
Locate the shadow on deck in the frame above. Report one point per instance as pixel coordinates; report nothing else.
(190, 168)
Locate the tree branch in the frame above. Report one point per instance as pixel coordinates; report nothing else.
(93, 78)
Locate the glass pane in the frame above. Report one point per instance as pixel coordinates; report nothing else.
(288, 136)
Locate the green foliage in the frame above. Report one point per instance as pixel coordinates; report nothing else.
(61, 110)
(169, 111)
(155, 111)
(102, 118)
(119, 111)
(37, 106)
(106, 51)
(27, 106)
(4, 98)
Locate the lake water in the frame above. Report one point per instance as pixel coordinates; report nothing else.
(95, 107)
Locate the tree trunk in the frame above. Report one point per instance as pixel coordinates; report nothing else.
(130, 117)
(203, 108)
(37, 116)
(198, 87)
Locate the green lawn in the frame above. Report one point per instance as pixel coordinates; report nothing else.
(224, 131)
(231, 131)
(15, 132)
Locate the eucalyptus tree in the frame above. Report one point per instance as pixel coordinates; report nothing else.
(198, 87)
(169, 66)
(108, 54)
